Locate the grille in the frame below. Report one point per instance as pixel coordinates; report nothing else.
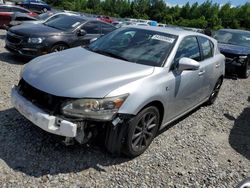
(14, 38)
(47, 102)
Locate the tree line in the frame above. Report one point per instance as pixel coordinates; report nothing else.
(207, 14)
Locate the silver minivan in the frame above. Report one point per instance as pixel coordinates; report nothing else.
(126, 85)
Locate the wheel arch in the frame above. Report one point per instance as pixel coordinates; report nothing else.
(159, 105)
(60, 42)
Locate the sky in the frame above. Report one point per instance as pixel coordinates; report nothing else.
(183, 2)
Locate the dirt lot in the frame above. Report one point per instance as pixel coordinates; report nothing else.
(208, 148)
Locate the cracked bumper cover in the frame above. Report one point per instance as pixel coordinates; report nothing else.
(40, 118)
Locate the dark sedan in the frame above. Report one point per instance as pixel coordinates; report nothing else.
(64, 32)
(235, 45)
(35, 5)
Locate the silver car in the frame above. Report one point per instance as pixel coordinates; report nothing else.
(124, 87)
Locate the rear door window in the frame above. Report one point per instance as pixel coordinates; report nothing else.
(92, 27)
(206, 47)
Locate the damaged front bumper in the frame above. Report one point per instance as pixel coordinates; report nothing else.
(42, 119)
(73, 129)
(236, 65)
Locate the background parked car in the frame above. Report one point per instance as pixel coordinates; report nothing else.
(106, 19)
(18, 18)
(62, 32)
(35, 5)
(235, 45)
(41, 18)
(7, 11)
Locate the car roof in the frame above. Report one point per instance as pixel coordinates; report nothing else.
(168, 30)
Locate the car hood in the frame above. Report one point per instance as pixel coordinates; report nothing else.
(79, 73)
(234, 49)
(33, 22)
(34, 30)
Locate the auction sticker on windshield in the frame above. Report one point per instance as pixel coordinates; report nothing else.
(163, 38)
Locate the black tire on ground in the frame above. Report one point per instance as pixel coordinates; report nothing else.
(141, 131)
(245, 71)
(215, 92)
(58, 47)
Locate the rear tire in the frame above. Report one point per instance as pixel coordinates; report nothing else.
(215, 92)
(141, 131)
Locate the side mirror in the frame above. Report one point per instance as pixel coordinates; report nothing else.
(93, 39)
(81, 32)
(188, 64)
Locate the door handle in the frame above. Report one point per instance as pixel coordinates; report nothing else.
(201, 72)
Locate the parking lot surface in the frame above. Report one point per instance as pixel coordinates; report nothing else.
(209, 147)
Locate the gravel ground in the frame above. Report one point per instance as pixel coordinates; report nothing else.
(208, 148)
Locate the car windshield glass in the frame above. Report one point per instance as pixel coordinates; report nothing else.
(135, 45)
(64, 22)
(236, 38)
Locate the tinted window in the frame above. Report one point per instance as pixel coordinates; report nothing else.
(106, 28)
(206, 47)
(189, 47)
(4, 9)
(92, 27)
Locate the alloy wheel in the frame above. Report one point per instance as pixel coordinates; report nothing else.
(144, 131)
(58, 48)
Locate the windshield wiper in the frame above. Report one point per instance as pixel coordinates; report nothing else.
(110, 54)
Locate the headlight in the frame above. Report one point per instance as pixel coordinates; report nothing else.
(99, 109)
(242, 58)
(35, 40)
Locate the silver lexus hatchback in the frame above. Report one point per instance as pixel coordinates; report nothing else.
(123, 87)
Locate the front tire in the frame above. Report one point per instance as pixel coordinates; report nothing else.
(141, 131)
(58, 48)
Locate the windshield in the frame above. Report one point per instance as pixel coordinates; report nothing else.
(135, 45)
(236, 38)
(64, 22)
